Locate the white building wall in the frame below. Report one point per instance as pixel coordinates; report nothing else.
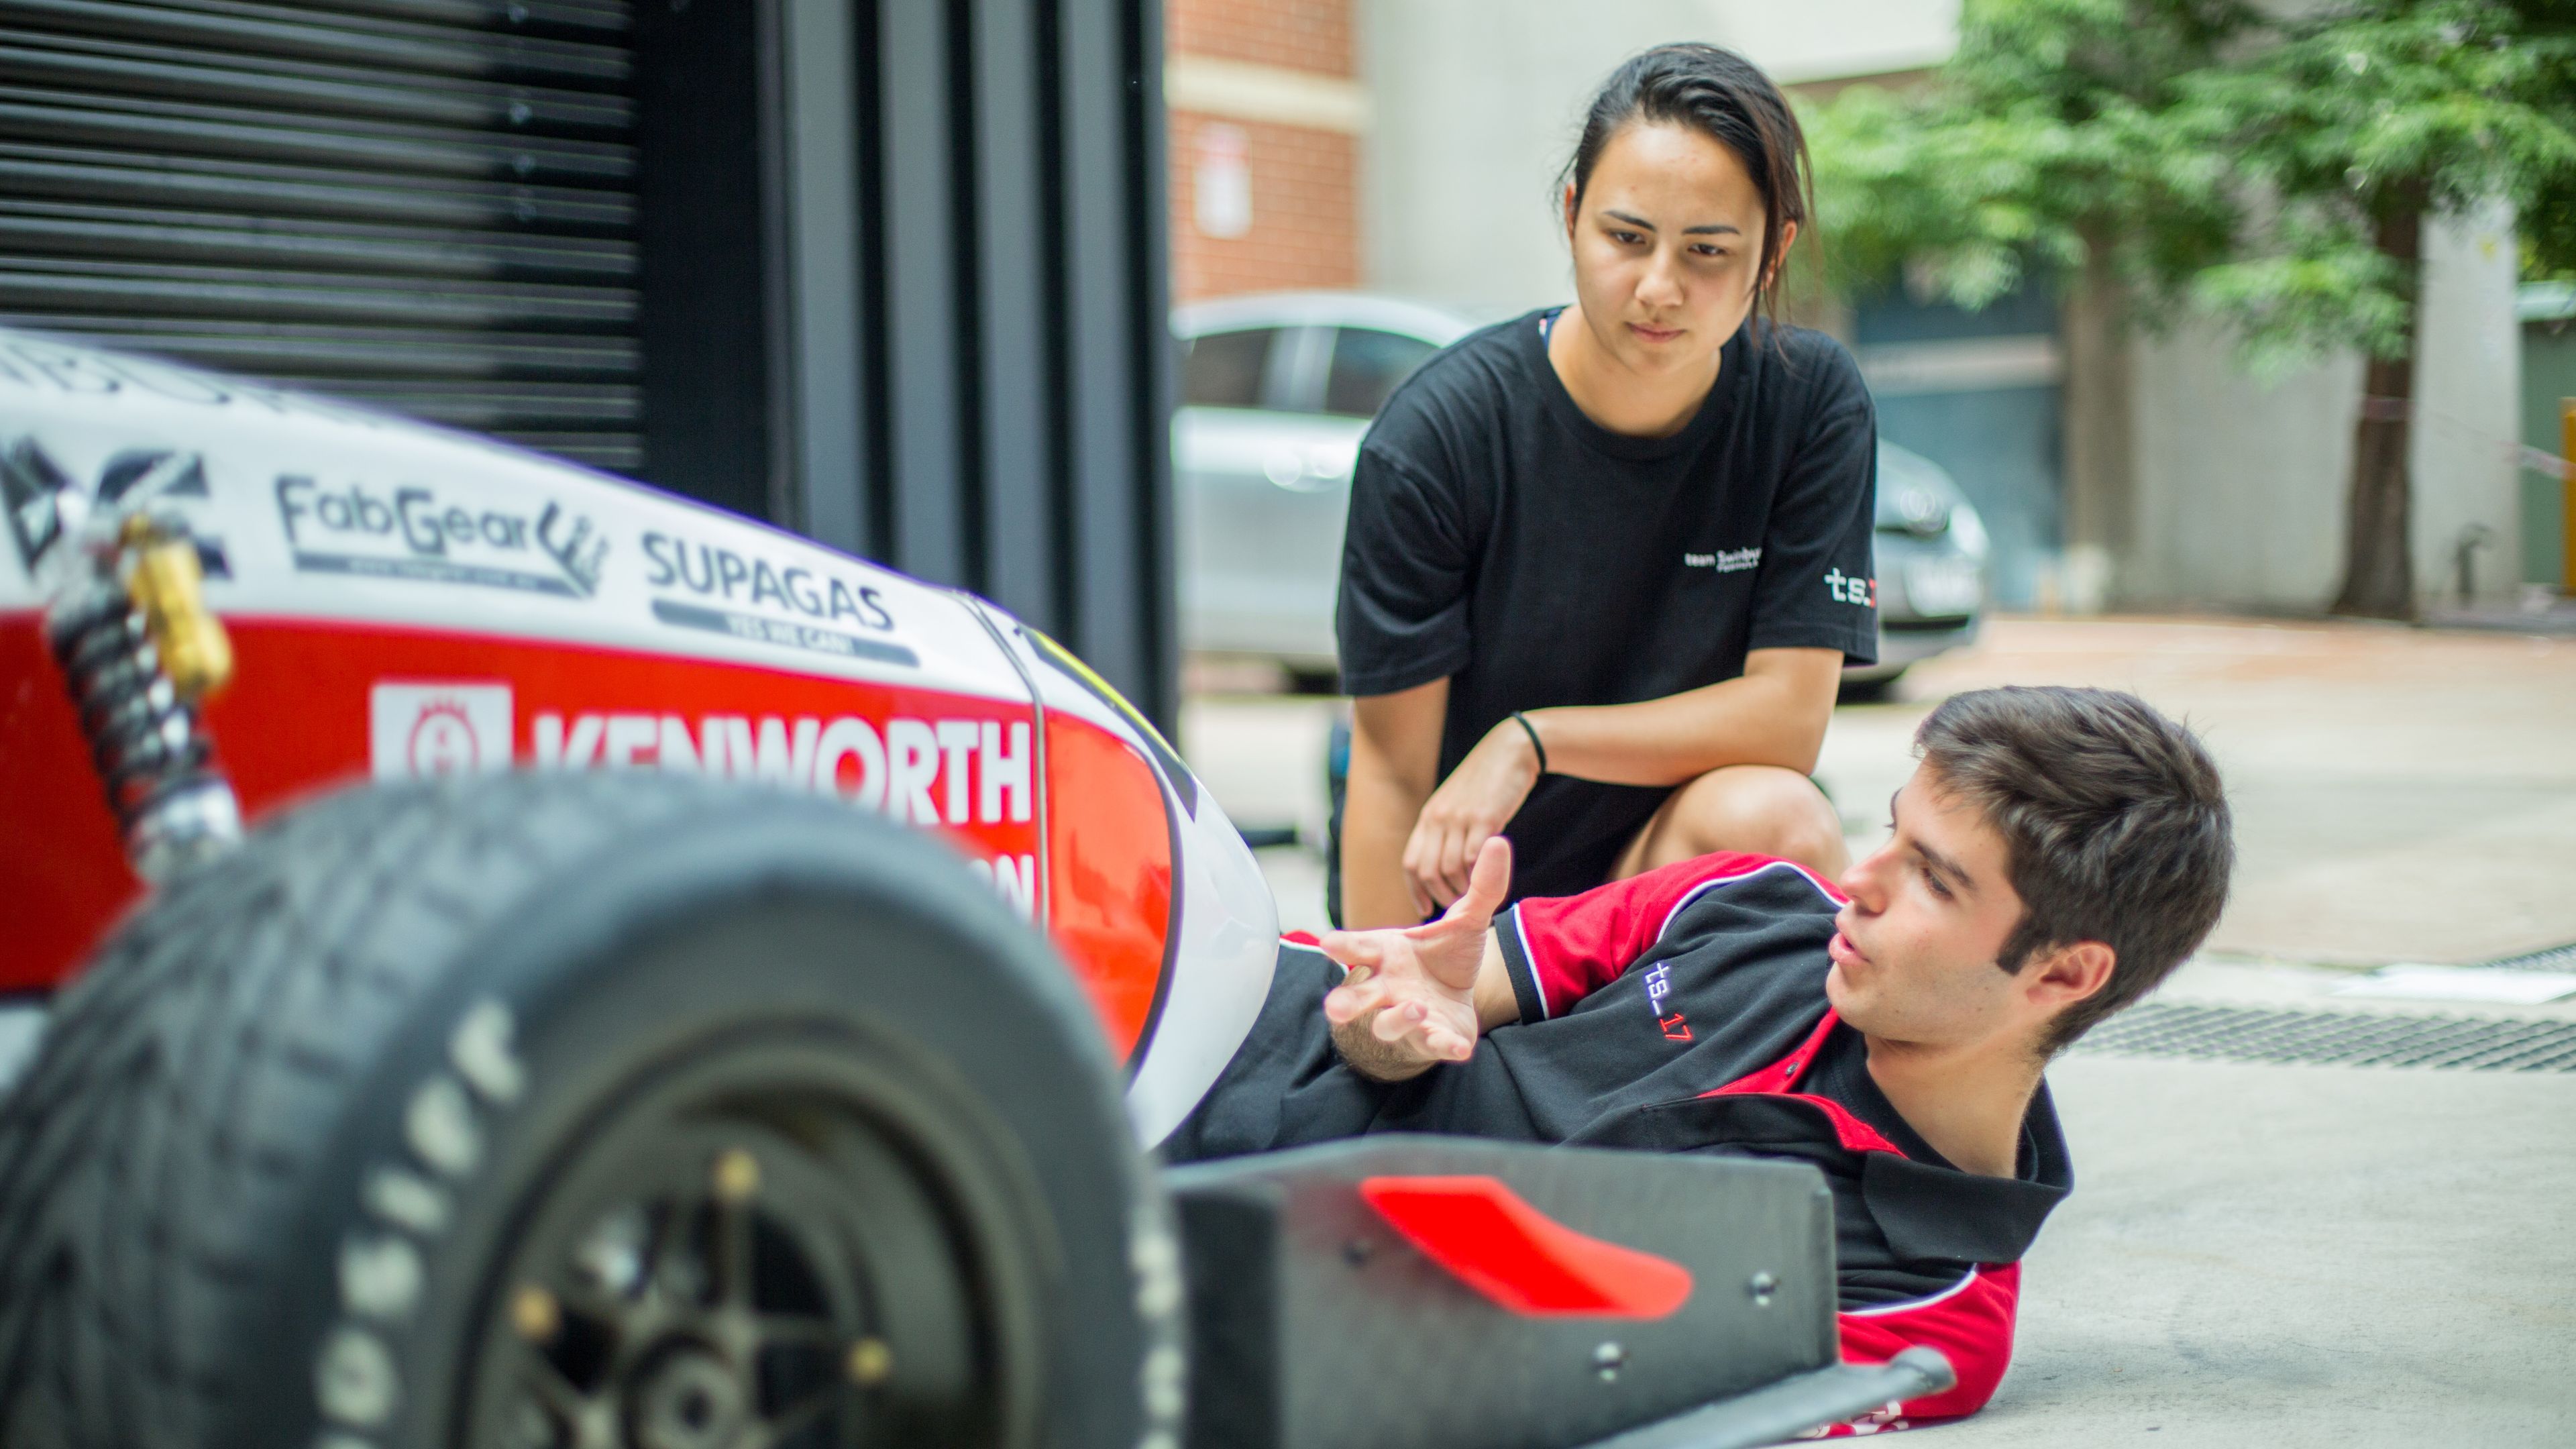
(2241, 483)
(2468, 420)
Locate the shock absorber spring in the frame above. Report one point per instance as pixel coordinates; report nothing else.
(140, 652)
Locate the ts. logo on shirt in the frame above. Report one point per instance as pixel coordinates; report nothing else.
(1659, 984)
(1848, 589)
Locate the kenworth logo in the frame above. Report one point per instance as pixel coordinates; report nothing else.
(411, 532)
(950, 772)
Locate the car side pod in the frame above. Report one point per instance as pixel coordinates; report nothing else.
(1409, 1292)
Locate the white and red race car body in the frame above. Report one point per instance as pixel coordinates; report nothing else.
(404, 600)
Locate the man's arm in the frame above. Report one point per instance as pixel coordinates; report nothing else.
(1395, 762)
(1775, 713)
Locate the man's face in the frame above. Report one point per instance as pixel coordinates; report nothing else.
(1915, 952)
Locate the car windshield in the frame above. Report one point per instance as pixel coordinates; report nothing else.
(1223, 369)
(1367, 365)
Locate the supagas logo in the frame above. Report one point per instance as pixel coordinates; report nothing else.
(413, 532)
(783, 603)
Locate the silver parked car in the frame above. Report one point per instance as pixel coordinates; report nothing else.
(1278, 389)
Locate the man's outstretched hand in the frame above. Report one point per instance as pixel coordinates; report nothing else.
(1411, 998)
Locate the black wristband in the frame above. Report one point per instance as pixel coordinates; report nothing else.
(1532, 731)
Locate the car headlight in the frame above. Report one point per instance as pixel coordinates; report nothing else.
(1969, 530)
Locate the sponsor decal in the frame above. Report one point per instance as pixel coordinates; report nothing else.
(945, 772)
(1725, 560)
(43, 501)
(418, 730)
(412, 531)
(781, 631)
(76, 372)
(924, 772)
(751, 597)
(1850, 589)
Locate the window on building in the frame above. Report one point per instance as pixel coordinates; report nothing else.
(1223, 369)
(1367, 364)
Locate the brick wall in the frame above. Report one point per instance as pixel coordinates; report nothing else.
(1305, 212)
(1304, 179)
(1298, 34)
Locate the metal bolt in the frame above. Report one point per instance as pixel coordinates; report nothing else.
(869, 1362)
(737, 1175)
(536, 1314)
(1357, 1251)
(1762, 1287)
(1606, 1361)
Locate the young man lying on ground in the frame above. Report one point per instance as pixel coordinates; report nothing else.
(2056, 854)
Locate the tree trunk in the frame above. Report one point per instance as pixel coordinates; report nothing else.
(2379, 567)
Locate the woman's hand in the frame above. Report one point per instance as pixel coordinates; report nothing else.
(1470, 808)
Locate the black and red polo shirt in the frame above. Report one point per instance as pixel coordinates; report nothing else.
(1684, 1010)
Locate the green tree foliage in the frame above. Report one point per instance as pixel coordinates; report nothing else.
(2043, 141)
(2266, 167)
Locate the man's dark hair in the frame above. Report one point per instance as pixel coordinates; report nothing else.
(2112, 817)
(1726, 98)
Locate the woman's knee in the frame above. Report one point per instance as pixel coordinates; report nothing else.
(1764, 810)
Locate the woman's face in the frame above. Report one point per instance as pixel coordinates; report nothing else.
(1667, 247)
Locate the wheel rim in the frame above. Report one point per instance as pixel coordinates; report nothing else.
(757, 1252)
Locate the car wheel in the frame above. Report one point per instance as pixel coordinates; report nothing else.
(578, 1111)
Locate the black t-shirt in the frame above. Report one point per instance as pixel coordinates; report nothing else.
(1501, 538)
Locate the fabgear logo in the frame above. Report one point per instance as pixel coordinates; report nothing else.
(1850, 589)
(412, 533)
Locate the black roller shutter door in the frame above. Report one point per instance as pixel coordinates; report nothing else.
(424, 204)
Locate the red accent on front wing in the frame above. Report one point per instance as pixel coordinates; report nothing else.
(1515, 1255)
(298, 719)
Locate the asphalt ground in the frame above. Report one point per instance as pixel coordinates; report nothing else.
(2256, 1253)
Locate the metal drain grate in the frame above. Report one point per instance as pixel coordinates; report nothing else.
(2556, 958)
(2241, 1033)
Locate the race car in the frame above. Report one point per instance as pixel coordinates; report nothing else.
(559, 965)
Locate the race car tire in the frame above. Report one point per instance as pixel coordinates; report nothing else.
(579, 1109)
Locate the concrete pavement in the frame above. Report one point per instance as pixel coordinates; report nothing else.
(2256, 1254)
(2299, 1255)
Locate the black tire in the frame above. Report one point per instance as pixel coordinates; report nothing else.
(306, 1155)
